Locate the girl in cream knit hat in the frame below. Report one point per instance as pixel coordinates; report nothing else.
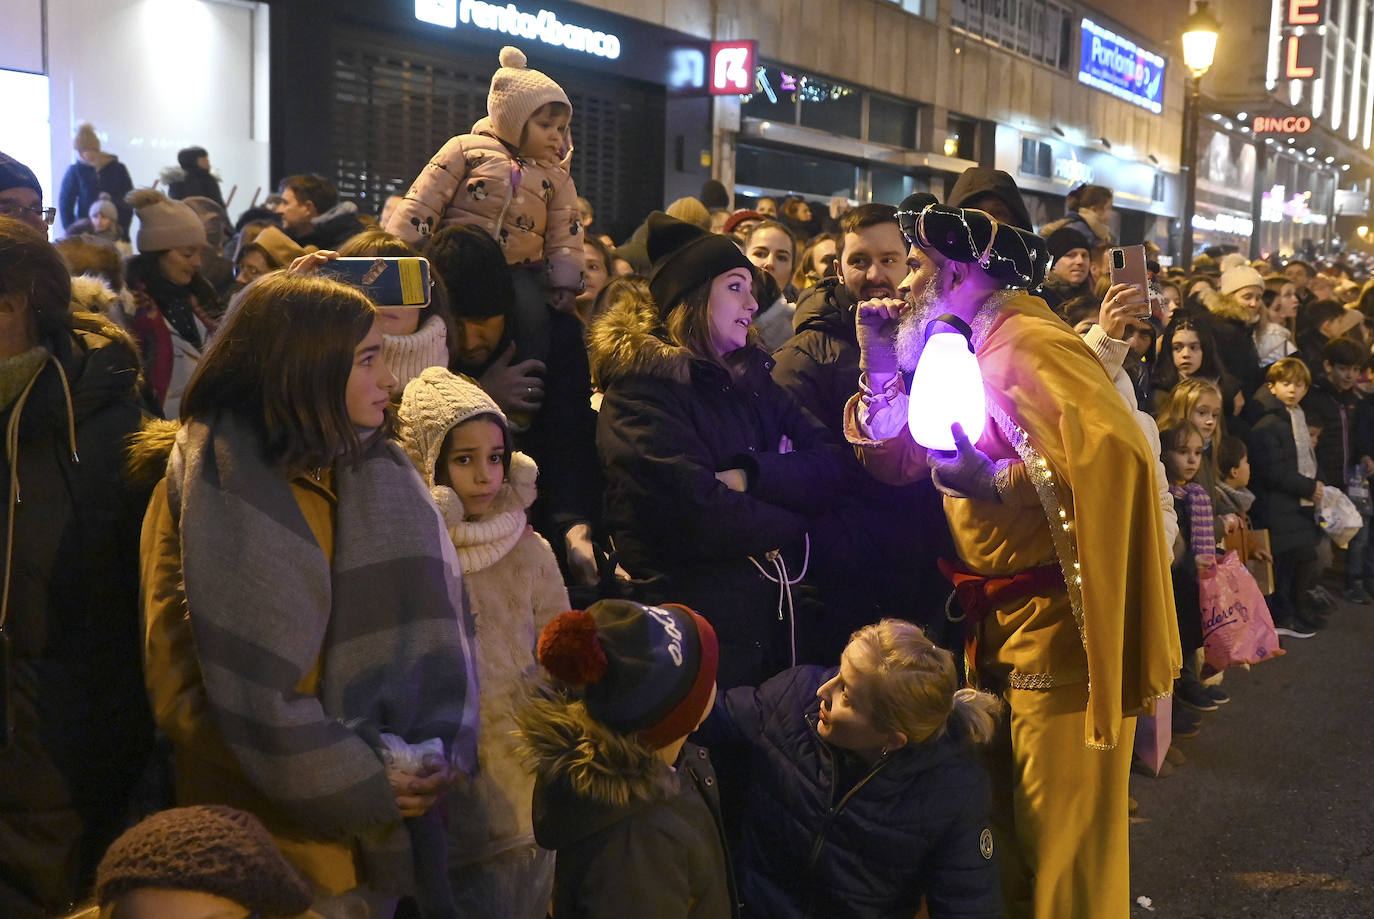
(458, 439)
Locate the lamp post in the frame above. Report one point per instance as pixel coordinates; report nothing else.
(1199, 48)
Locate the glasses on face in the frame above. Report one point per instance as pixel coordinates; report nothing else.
(19, 212)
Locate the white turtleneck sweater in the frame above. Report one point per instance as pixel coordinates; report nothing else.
(407, 355)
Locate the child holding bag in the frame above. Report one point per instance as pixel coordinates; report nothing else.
(458, 439)
(1194, 551)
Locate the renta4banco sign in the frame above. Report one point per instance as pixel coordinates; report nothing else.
(1116, 65)
(510, 19)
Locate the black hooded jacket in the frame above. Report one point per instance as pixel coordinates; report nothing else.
(191, 180)
(81, 727)
(819, 365)
(979, 181)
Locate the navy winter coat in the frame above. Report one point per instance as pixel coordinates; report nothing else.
(827, 836)
(82, 185)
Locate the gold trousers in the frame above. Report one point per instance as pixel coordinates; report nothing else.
(1060, 810)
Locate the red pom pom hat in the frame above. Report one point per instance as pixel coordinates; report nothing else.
(647, 670)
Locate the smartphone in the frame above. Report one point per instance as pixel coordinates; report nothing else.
(1127, 266)
(390, 282)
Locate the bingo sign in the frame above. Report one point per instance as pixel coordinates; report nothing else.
(1121, 67)
(732, 67)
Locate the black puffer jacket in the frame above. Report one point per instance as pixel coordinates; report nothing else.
(827, 836)
(669, 422)
(189, 180)
(82, 730)
(1335, 412)
(1278, 486)
(898, 530)
(819, 365)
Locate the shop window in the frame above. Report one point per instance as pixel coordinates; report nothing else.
(831, 107)
(924, 8)
(1037, 29)
(774, 97)
(960, 138)
(891, 121)
(778, 169)
(1157, 192)
(1037, 158)
(891, 187)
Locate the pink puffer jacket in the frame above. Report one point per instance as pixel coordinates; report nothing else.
(529, 207)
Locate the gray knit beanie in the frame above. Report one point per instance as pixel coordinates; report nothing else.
(516, 93)
(163, 223)
(211, 849)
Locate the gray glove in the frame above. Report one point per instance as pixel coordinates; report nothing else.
(965, 473)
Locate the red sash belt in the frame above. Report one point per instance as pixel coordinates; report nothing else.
(979, 594)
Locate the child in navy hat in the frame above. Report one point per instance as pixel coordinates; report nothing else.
(631, 808)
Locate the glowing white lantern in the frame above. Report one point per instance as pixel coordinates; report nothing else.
(947, 386)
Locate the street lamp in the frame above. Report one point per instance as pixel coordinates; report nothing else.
(1199, 48)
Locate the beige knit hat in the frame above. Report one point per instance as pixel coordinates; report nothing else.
(1239, 277)
(690, 210)
(163, 223)
(86, 139)
(435, 403)
(516, 93)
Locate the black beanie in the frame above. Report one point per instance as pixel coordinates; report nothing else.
(474, 271)
(714, 195)
(208, 848)
(684, 257)
(1010, 255)
(14, 174)
(1064, 240)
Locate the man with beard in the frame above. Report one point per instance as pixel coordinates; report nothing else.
(819, 364)
(1071, 274)
(1062, 571)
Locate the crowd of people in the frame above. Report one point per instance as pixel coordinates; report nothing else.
(611, 579)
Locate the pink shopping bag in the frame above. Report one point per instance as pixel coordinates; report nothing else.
(1154, 733)
(1236, 625)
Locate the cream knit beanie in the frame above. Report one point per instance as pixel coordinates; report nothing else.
(1239, 277)
(516, 92)
(163, 223)
(435, 403)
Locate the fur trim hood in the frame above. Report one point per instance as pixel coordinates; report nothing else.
(149, 450)
(1226, 306)
(92, 295)
(629, 340)
(582, 762)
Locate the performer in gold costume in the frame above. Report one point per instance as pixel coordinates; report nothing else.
(1063, 571)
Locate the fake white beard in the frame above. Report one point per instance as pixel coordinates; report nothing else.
(921, 309)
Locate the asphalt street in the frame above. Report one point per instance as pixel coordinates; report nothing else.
(1273, 814)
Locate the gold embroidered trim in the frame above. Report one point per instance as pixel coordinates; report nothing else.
(1030, 681)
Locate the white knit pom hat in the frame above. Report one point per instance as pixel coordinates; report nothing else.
(516, 93)
(435, 403)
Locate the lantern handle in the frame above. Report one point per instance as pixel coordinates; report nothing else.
(957, 324)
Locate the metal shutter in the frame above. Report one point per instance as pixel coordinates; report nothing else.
(395, 103)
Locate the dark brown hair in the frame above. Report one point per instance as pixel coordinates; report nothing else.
(33, 274)
(688, 327)
(1093, 196)
(868, 215)
(281, 362)
(311, 188)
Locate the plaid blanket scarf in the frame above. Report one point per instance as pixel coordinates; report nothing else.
(388, 625)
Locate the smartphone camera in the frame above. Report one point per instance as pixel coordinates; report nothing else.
(1118, 259)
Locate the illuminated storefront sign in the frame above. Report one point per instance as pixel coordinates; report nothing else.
(1073, 170)
(1275, 124)
(1119, 66)
(1301, 57)
(732, 67)
(543, 25)
(1224, 223)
